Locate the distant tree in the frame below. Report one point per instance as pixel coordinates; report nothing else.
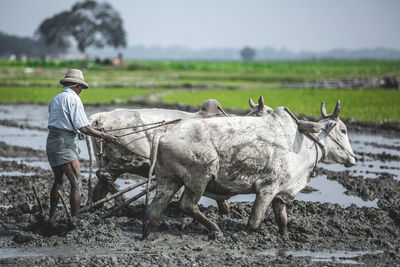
(89, 23)
(247, 53)
(15, 45)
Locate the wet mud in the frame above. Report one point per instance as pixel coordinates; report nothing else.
(319, 233)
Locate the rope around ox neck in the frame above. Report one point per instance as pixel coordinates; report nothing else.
(313, 138)
(308, 134)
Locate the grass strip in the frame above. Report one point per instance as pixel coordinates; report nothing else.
(363, 105)
(90, 96)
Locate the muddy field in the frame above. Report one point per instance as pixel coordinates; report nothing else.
(346, 216)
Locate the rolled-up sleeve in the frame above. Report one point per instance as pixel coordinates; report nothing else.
(77, 113)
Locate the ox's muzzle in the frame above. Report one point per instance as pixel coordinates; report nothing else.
(351, 162)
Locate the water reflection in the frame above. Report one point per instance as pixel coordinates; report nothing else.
(333, 192)
(336, 256)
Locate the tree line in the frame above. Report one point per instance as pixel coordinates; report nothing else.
(25, 47)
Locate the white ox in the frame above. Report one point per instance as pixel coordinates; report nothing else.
(131, 154)
(223, 157)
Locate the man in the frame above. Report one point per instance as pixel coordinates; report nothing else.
(66, 118)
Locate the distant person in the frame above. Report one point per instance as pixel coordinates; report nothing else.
(66, 118)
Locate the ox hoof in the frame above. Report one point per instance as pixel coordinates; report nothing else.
(50, 223)
(285, 237)
(283, 233)
(215, 235)
(151, 236)
(249, 230)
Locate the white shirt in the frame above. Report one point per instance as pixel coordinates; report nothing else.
(66, 111)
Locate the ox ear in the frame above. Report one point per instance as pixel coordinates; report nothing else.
(323, 110)
(251, 103)
(309, 126)
(260, 102)
(335, 114)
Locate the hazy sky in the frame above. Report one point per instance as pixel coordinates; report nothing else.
(311, 25)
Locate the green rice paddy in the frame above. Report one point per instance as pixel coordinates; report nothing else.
(361, 104)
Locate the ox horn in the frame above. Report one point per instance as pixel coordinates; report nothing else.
(251, 103)
(260, 102)
(323, 110)
(335, 113)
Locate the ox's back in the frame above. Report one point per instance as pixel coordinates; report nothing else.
(157, 114)
(120, 118)
(123, 122)
(224, 134)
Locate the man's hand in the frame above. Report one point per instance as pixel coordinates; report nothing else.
(109, 137)
(93, 131)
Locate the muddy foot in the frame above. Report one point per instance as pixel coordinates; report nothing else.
(215, 235)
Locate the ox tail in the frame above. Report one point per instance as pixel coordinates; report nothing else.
(89, 144)
(153, 159)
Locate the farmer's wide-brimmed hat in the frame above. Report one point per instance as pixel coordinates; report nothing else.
(74, 76)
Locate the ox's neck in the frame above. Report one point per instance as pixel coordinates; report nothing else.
(308, 152)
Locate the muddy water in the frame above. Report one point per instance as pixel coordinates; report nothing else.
(349, 216)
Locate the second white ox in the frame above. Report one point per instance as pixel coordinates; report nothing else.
(223, 157)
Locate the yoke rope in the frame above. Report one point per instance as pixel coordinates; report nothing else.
(153, 127)
(134, 126)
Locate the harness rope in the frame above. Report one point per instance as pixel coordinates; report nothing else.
(153, 127)
(134, 126)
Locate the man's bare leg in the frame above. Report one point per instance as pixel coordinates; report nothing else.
(57, 185)
(73, 173)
